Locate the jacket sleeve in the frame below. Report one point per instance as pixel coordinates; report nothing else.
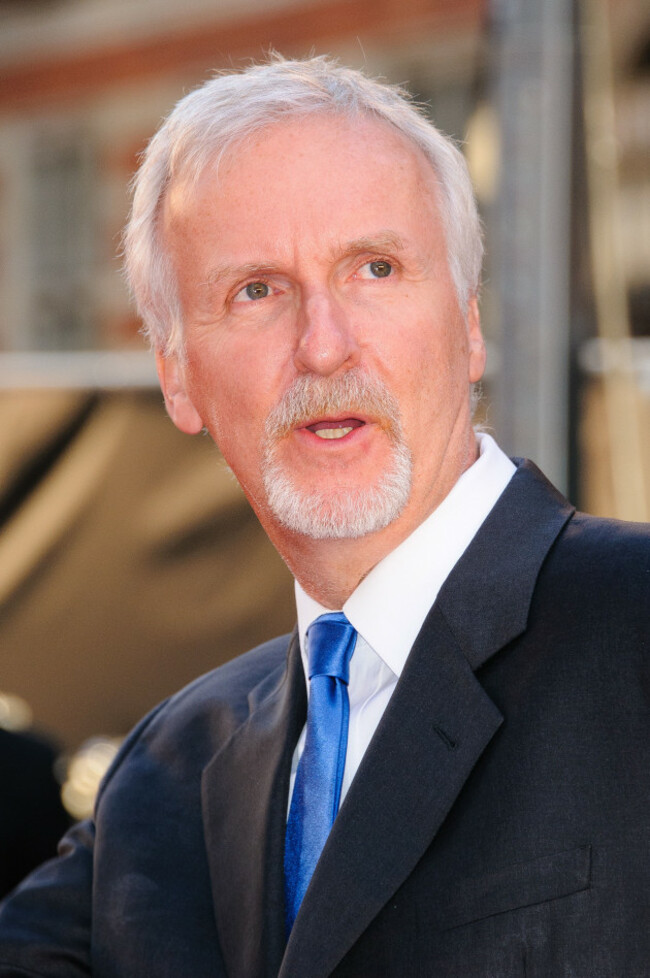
(45, 924)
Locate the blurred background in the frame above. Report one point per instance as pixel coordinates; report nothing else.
(129, 559)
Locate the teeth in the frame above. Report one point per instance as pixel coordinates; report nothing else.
(333, 432)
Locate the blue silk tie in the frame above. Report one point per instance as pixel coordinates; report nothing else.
(317, 789)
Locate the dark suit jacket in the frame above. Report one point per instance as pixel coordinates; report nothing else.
(497, 826)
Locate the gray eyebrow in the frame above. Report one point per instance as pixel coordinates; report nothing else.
(382, 241)
(219, 272)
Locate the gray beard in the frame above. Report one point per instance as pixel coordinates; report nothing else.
(340, 513)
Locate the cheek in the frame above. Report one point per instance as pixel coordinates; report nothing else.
(233, 409)
(216, 377)
(431, 356)
(436, 382)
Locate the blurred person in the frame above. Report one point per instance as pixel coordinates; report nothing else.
(32, 817)
(443, 771)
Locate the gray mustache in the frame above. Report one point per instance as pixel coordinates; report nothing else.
(311, 397)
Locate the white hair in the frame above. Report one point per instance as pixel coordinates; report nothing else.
(207, 123)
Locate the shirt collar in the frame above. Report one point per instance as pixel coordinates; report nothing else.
(389, 606)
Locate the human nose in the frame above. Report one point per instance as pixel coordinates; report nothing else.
(326, 340)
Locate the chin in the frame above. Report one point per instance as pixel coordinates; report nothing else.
(339, 514)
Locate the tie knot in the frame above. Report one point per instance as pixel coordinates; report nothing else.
(330, 642)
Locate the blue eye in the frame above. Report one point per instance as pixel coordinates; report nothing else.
(256, 290)
(380, 268)
(252, 292)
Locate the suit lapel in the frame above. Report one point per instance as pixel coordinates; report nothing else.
(245, 790)
(436, 727)
(486, 599)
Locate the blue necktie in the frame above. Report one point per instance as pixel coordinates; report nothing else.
(317, 789)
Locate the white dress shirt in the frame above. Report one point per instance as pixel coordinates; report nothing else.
(389, 606)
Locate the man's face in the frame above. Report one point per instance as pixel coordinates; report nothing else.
(325, 349)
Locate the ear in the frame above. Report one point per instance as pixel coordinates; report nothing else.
(177, 401)
(477, 352)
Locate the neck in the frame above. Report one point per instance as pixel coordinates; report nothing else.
(330, 570)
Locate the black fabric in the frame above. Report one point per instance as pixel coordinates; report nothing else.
(32, 818)
(497, 826)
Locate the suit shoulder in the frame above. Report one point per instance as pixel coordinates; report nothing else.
(598, 572)
(232, 683)
(191, 724)
(607, 548)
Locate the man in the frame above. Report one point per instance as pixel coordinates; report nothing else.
(305, 251)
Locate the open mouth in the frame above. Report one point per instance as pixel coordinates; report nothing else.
(331, 429)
